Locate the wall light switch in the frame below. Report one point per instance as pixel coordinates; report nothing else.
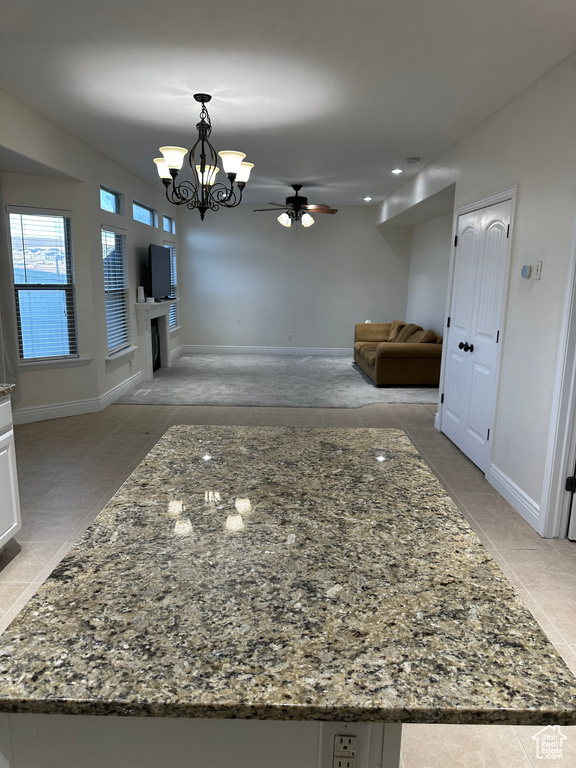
(538, 271)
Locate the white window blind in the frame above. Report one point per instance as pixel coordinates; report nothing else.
(173, 316)
(116, 290)
(41, 246)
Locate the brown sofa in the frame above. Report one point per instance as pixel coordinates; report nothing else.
(398, 354)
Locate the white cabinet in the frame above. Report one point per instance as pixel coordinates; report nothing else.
(10, 522)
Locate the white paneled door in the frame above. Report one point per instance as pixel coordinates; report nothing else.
(476, 314)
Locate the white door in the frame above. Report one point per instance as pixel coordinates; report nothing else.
(476, 313)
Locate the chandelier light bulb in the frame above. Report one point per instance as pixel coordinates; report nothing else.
(307, 220)
(231, 161)
(174, 156)
(209, 176)
(285, 220)
(244, 173)
(163, 170)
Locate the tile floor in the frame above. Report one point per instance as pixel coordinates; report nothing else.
(69, 468)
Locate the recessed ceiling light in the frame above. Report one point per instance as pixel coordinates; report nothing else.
(413, 160)
(367, 199)
(397, 171)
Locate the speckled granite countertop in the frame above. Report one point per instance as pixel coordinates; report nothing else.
(6, 389)
(283, 573)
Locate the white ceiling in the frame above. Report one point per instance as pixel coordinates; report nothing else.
(329, 93)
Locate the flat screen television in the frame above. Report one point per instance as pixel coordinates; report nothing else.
(159, 270)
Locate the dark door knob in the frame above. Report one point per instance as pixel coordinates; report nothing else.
(461, 345)
(471, 348)
(466, 347)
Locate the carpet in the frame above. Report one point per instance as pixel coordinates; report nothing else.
(268, 380)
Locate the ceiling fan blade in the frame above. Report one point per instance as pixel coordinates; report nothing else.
(259, 210)
(320, 209)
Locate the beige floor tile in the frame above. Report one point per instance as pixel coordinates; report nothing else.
(266, 417)
(462, 746)
(342, 417)
(23, 563)
(487, 505)
(62, 499)
(560, 608)
(30, 494)
(526, 734)
(513, 534)
(541, 569)
(304, 417)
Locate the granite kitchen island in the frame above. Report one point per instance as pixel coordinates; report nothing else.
(280, 576)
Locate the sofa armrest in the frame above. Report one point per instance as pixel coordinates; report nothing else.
(373, 332)
(405, 349)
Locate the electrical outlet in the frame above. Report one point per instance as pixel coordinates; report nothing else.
(344, 762)
(361, 744)
(344, 746)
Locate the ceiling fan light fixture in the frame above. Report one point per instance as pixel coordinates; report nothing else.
(174, 156)
(231, 161)
(307, 220)
(285, 220)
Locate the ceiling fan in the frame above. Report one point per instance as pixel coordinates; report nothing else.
(296, 209)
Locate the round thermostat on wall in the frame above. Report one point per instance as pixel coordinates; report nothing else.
(526, 271)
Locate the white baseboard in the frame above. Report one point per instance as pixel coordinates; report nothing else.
(176, 352)
(207, 349)
(74, 407)
(515, 496)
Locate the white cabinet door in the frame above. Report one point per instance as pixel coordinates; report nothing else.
(9, 497)
(476, 315)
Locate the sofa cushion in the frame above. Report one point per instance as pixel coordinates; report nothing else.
(405, 333)
(368, 353)
(395, 329)
(422, 337)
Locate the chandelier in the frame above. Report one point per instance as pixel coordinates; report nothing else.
(203, 191)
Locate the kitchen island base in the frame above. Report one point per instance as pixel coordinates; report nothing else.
(90, 741)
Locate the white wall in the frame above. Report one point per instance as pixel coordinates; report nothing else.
(532, 143)
(247, 281)
(429, 265)
(81, 171)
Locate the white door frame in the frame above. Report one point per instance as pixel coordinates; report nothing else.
(498, 197)
(561, 452)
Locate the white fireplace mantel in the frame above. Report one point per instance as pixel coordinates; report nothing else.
(145, 312)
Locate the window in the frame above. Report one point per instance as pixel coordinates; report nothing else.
(173, 316)
(111, 201)
(41, 244)
(116, 290)
(143, 213)
(168, 225)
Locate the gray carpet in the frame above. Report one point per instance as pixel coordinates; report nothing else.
(268, 380)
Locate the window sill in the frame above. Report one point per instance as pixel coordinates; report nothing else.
(176, 329)
(128, 352)
(63, 362)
